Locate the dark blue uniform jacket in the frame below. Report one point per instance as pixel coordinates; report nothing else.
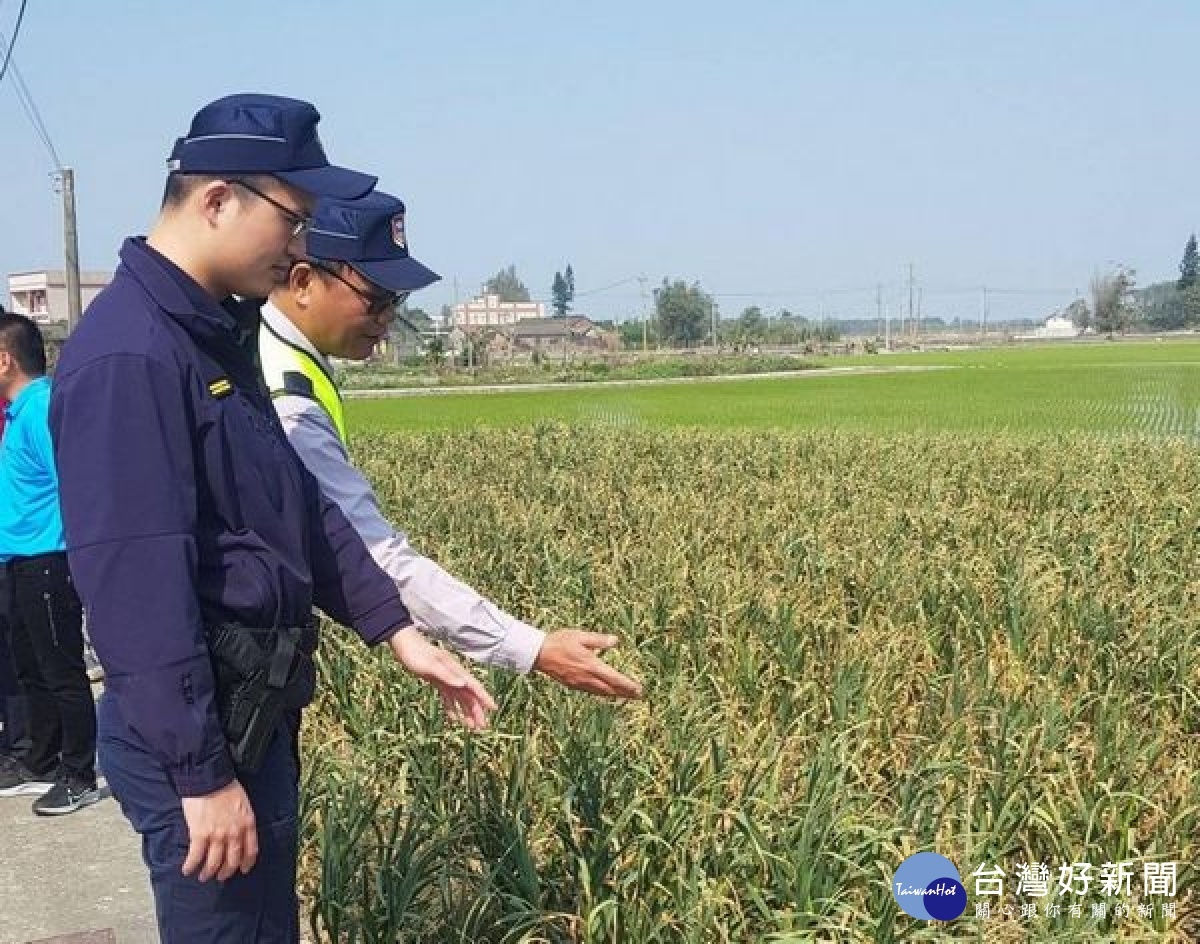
(184, 505)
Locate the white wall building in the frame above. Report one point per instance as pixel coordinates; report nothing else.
(43, 295)
(1057, 326)
(489, 310)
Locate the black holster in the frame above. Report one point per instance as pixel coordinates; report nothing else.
(261, 675)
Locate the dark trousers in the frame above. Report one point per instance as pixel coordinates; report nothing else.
(45, 635)
(258, 908)
(14, 739)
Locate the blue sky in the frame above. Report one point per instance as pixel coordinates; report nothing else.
(787, 154)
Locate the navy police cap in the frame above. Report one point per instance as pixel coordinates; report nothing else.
(264, 134)
(368, 234)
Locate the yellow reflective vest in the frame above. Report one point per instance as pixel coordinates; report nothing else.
(289, 370)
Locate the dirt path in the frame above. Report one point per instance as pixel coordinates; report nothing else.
(365, 394)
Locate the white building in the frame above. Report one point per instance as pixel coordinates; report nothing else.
(1057, 326)
(488, 310)
(43, 295)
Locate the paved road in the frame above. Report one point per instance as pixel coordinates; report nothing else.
(65, 875)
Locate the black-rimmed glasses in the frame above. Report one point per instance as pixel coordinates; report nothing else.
(377, 303)
(300, 223)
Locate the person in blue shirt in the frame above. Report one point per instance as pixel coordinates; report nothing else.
(44, 616)
(12, 732)
(192, 526)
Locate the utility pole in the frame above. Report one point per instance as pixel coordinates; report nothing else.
(879, 305)
(466, 337)
(887, 328)
(910, 298)
(642, 284)
(66, 181)
(712, 311)
(983, 311)
(920, 301)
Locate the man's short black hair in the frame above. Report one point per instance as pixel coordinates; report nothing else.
(180, 186)
(22, 338)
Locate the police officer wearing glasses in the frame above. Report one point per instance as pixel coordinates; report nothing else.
(339, 303)
(198, 541)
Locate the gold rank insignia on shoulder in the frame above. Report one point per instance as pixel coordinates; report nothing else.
(221, 387)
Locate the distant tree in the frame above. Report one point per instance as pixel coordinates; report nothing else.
(827, 331)
(752, 323)
(1189, 268)
(570, 277)
(506, 284)
(788, 328)
(630, 333)
(408, 326)
(560, 294)
(749, 329)
(1112, 306)
(683, 311)
(474, 349)
(412, 319)
(1079, 314)
(1166, 306)
(1178, 308)
(1189, 306)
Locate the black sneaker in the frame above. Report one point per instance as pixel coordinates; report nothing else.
(17, 780)
(63, 798)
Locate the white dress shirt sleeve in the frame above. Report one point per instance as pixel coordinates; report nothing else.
(443, 607)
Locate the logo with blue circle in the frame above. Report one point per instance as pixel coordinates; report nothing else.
(927, 886)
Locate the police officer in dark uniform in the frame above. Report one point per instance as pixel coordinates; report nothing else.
(198, 541)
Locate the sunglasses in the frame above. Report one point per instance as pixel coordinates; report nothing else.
(377, 303)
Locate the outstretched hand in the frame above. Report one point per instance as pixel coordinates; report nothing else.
(463, 697)
(572, 658)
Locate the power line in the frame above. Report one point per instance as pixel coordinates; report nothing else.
(25, 97)
(13, 44)
(29, 106)
(605, 288)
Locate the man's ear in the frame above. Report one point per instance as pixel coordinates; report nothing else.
(213, 198)
(301, 277)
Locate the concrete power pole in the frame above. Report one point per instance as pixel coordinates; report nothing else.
(910, 299)
(66, 182)
(642, 284)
